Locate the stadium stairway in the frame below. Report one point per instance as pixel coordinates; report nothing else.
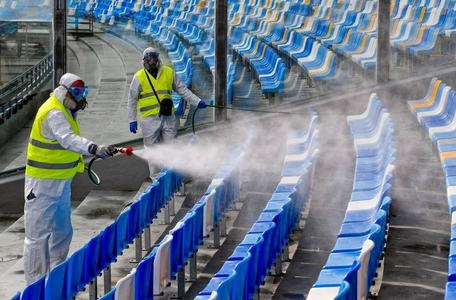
(416, 258)
(330, 194)
(260, 177)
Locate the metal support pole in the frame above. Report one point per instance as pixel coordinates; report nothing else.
(216, 236)
(172, 204)
(286, 253)
(278, 266)
(138, 248)
(166, 215)
(147, 242)
(182, 190)
(192, 267)
(181, 283)
(107, 280)
(59, 34)
(221, 40)
(93, 289)
(383, 40)
(223, 227)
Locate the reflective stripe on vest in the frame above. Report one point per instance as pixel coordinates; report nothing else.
(45, 145)
(147, 102)
(42, 165)
(159, 92)
(46, 158)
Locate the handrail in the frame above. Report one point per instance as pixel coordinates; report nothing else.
(20, 78)
(17, 92)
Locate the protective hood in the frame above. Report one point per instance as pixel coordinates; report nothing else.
(67, 80)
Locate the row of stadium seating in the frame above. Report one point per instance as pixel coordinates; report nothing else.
(243, 272)
(416, 26)
(154, 272)
(346, 29)
(65, 280)
(352, 264)
(436, 115)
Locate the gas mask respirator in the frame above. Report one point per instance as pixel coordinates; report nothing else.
(77, 100)
(74, 105)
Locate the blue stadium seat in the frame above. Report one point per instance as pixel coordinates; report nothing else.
(75, 279)
(144, 278)
(91, 261)
(35, 290)
(56, 282)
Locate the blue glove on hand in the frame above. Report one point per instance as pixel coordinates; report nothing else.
(202, 104)
(133, 127)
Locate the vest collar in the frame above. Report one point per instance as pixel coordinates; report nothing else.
(158, 73)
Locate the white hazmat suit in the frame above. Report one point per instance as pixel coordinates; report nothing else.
(47, 210)
(157, 128)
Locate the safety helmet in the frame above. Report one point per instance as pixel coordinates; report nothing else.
(151, 53)
(74, 85)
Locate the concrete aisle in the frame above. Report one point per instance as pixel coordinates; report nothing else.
(260, 175)
(416, 259)
(330, 195)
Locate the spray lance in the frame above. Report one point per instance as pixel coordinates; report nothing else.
(128, 151)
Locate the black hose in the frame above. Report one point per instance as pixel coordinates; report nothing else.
(193, 120)
(92, 175)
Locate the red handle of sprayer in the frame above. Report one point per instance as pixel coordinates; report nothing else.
(127, 150)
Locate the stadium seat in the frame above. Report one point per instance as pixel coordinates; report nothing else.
(125, 287)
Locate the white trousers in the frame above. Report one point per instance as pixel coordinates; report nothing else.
(47, 220)
(158, 129)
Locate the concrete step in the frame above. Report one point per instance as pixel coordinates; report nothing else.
(257, 185)
(92, 215)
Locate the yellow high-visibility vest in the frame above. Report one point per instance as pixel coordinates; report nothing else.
(147, 102)
(47, 158)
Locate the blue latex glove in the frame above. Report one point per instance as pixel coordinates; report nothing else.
(202, 104)
(133, 127)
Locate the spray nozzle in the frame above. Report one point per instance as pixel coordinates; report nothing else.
(125, 150)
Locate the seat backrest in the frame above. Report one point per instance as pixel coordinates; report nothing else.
(121, 231)
(162, 269)
(364, 268)
(75, 272)
(208, 213)
(178, 259)
(35, 290)
(318, 293)
(56, 282)
(125, 287)
(108, 247)
(91, 259)
(144, 278)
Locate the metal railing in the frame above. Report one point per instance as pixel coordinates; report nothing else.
(80, 25)
(19, 91)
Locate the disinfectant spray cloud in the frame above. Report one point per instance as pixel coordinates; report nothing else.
(203, 154)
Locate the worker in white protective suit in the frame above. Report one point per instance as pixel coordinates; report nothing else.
(54, 157)
(151, 94)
